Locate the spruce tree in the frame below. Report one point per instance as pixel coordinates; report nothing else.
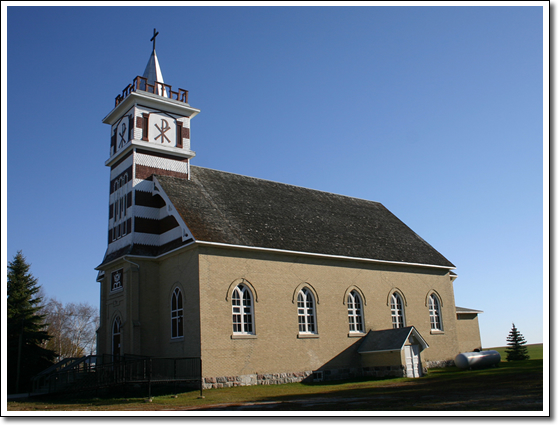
(26, 327)
(516, 346)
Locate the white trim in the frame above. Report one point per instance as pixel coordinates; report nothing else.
(380, 351)
(150, 100)
(284, 251)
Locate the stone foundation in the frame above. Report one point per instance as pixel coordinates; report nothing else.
(396, 371)
(440, 363)
(256, 379)
(306, 376)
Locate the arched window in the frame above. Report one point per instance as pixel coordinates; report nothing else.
(435, 313)
(397, 314)
(306, 312)
(116, 339)
(242, 311)
(354, 306)
(177, 315)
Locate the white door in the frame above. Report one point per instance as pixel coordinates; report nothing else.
(412, 360)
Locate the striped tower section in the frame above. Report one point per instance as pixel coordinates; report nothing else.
(140, 214)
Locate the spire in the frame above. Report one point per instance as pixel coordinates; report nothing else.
(153, 70)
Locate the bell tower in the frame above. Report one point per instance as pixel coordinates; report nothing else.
(150, 135)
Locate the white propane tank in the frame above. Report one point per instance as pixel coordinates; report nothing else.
(477, 359)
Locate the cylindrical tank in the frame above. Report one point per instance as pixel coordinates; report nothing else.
(477, 359)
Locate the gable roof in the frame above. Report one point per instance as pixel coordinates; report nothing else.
(389, 340)
(232, 209)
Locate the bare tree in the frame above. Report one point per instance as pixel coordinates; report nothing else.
(72, 327)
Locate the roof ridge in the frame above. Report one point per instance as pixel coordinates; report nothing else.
(288, 184)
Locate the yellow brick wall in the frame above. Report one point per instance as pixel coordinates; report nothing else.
(277, 347)
(468, 332)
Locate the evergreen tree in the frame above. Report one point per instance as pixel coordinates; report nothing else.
(26, 327)
(516, 346)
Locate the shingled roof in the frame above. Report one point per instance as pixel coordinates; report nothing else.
(232, 209)
(389, 340)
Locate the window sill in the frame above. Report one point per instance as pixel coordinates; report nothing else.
(356, 334)
(243, 336)
(436, 332)
(116, 290)
(177, 339)
(303, 336)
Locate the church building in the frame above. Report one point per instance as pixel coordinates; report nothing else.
(265, 282)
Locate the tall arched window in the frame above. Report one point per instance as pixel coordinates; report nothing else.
(306, 312)
(354, 306)
(397, 314)
(242, 311)
(116, 339)
(177, 315)
(435, 313)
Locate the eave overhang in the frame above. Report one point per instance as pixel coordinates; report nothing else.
(150, 100)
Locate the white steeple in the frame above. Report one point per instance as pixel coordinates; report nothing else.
(153, 70)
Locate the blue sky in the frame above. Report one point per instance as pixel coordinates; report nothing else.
(436, 112)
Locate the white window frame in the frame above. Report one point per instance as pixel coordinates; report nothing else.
(242, 311)
(435, 313)
(354, 309)
(177, 314)
(397, 311)
(306, 307)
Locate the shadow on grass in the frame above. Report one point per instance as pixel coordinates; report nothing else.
(512, 386)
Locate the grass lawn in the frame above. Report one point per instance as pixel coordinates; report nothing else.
(535, 351)
(509, 387)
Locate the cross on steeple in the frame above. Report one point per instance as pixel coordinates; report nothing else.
(155, 34)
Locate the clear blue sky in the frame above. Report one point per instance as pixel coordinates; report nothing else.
(436, 112)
